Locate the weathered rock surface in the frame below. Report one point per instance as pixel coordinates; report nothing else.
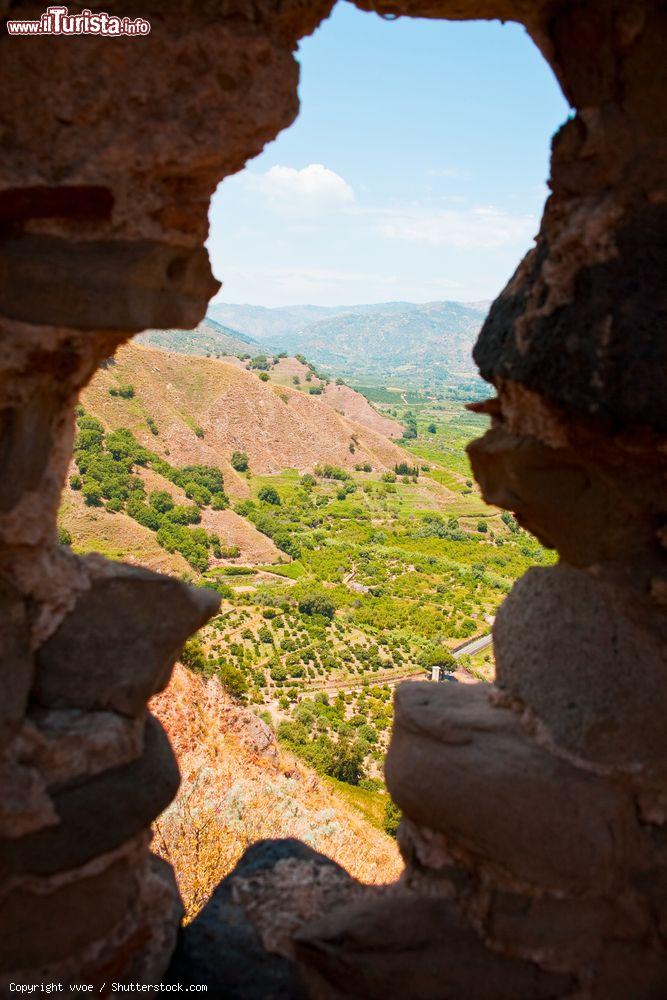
(222, 949)
(97, 815)
(96, 660)
(462, 766)
(401, 944)
(115, 285)
(16, 662)
(575, 671)
(534, 842)
(37, 928)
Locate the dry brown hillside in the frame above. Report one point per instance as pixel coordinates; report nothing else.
(206, 409)
(356, 407)
(238, 786)
(342, 398)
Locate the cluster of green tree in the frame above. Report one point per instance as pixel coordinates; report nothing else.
(410, 422)
(283, 534)
(435, 526)
(260, 363)
(510, 521)
(320, 735)
(124, 391)
(106, 464)
(403, 469)
(233, 680)
(327, 471)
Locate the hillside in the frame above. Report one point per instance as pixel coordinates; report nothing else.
(204, 410)
(208, 338)
(368, 339)
(238, 786)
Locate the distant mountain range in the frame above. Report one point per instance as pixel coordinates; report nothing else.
(209, 337)
(383, 338)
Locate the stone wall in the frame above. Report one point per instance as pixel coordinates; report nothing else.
(534, 830)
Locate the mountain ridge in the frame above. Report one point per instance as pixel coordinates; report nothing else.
(378, 338)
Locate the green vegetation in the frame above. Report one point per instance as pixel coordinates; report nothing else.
(239, 461)
(108, 465)
(384, 572)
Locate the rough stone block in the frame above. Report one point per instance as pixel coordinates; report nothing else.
(561, 496)
(463, 767)
(37, 928)
(16, 662)
(26, 439)
(222, 949)
(112, 285)
(117, 647)
(568, 930)
(98, 815)
(402, 945)
(596, 679)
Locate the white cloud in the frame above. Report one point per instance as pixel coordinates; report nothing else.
(311, 190)
(481, 228)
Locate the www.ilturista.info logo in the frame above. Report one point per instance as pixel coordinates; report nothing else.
(58, 21)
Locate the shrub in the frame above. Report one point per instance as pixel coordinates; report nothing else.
(193, 655)
(200, 494)
(75, 482)
(482, 527)
(232, 680)
(219, 501)
(392, 817)
(92, 493)
(239, 461)
(432, 429)
(161, 501)
(64, 536)
(199, 431)
(152, 426)
(263, 377)
(269, 494)
(260, 363)
(331, 472)
(124, 391)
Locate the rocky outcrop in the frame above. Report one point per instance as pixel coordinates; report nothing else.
(534, 832)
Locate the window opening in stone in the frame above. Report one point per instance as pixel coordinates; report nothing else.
(304, 456)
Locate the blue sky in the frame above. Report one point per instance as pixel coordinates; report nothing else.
(416, 169)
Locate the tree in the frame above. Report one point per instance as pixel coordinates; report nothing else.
(317, 604)
(161, 501)
(260, 363)
(239, 461)
(232, 680)
(92, 493)
(432, 429)
(269, 494)
(347, 762)
(193, 656)
(439, 656)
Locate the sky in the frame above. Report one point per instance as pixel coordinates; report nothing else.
(415, 171)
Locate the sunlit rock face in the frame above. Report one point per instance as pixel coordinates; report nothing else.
(534, 811)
